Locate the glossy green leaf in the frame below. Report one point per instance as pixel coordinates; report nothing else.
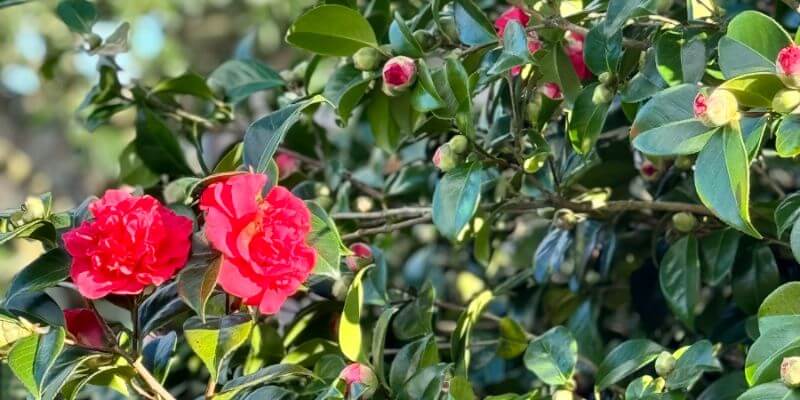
(215, 340)
(626, 359)
(324, 238)
(679, 277)
(402, 39)
(11, 330)
(412, 357)
(557, 68)
(351, 337)
(787, 137)
(415, 319)
(668, 57)
(78, 15)
(719, 252)
(189, 83)
(670, 105)
(345, 89)
(46, 271)
(331, 30)
(751, 44)
(513, 339)
(692, 363)
(676, 138)
(771, 391)
(646, 83)
(586, 121)
(379, 343)
(392, 119)
(764, 357)
(425, 97)
(515, 49)
(456, 198)
(196, 283)
(157, 146)
(273, 373)
(754, 90)
(460, 339)
(728, 387)
(552, 356)
(158, 353)
(755, 275)
(238, 79)
(32, 357)
(602, 53)
(474, 27)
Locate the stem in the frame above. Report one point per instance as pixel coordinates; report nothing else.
(391, 227)
(151, 381)
(395, 212)
(211, 388)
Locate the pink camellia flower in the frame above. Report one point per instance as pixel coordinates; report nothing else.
(788, 66)
(512, 14)
(552, 91)
(574, 50)
(85, 327)
(362, 375)
(716, 109)
(132, 242)
(287, 164)
(265, 256)
(362, 255)
(399, 73)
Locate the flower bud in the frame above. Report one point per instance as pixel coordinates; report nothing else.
(399, 73)
(367, 59)
(788, 66)
(458, 144)
(665, 363)
(602, 95)
(786, 101)
(287, 164)
(717, 109)
(361, 257)
(649, 170)
(85, 327)
(684, 222)
(444, 159)
(299, 71)
(684, 162)
(364, 203)
(552, 91)
(607, 78)
(534, 163)
(563, 395)
(33, 209)
(426, 39)
(790, 372)
(360, 380)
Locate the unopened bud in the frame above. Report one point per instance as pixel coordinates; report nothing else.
(93, 41)
(717, 109)
(361, 257)
(563, 395)
(552, 91)
(364, 203)
(33, 209)
(684, 222)
(399, 73)
(459, 144)
(790, 372)
(565, 219)
(602, 95)
(788, 66)
(684, 162)
(786, 101)
(534, 163)
(444, 159)
(665, 363)
(361, 375)
(367, 59)
(607, 78)
(299, 70)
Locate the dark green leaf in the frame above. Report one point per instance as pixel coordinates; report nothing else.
(189, 83)
(402, 39)
(331, 30)
(46, 271)
(157, 146)
(676, 138)
(238, 79)
(719, 252)
(196, 283)
(456, 198)
(626, 359)
(552, 356)
(586, 121)
(78, 15)
(691, 364)
(474, 27)
(755, 275)
(679, 276)
(32, 357)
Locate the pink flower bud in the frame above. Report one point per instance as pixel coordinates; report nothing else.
(788, 66)
(399, 73)
(574, 50)
(287, 164)
(444, 159)
(85, 327)
(512, 14)
(552, 91)
(717, 109)
(362, 255)
(360, 374)
(649, 170)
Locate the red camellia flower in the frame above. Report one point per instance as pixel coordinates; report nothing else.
(85, 327)
(574, 50)
(512, 14)
(788, 66)
(262, 239)
(132, 242)
(399, 73)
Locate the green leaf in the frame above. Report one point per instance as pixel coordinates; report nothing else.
(379, 343)
(754, 90)
(415, 319)
(273, 373)
(513, 339)
(402, 39)
(425, 97)
(412, 357)
(231, 160)
(44, 272)
(676, 138)
(602, 53)
(132, 170)
(65, 367)
(787, 213)
(331, 30)
(11, 330)
(692, 363)
(216, 339)
(189, 83)
(196, 283)
(719, 252)
(456, 198)
(515, 49)
(787, 137)
(771, 391)
(307, 353)
(728, 387)
(266, 347)
(351, 339)
(751, 44)
(619, 11)
(779, 306)
(557, 68)
(693, 59)
(78, 15)
(157, 146)
(158, 353)
(474, 27)
(670, 105)
(32, 357)
(324, 238)
(263, 136)
(764, 357)
(722, 179)
(552, 356)
(668, 57)
(646, 83)
(161, 307)
(460, 339)
(586, 121)
(583, 325)
(755, 275)
(116, 43)
(679, 276)
(40, 230)
(626, 359)
(345, 89)
(392, 119)
(238, 79)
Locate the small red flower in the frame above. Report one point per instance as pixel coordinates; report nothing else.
(399, 73)
(132, 242)
(574, 50)
(85, 327)
(552, 91)
(362, 254)
(262, 239)
(287, 164)
(512, 14)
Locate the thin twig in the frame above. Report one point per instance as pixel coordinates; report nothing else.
(404, 212)
(391, 227)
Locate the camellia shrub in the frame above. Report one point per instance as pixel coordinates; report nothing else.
(447, 199)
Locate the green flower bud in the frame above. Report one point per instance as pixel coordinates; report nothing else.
(684, 222)
(563, 395)
(534, 163)
(444, 158)
(607, 78)
(786, 101)
(592, 277)
(684, 162)
(665, 363)
(426, 39)
(790, 372)
(367, 59)
(532, 109)
(459, 144)
(33, 209)
(602, 95)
